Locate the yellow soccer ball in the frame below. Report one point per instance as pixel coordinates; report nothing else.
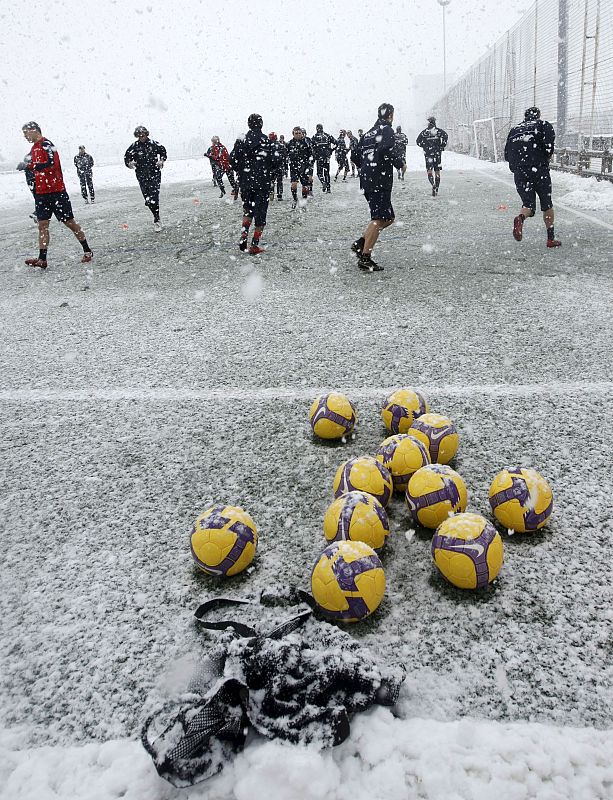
(467, 551)
(357, 517)
(332, 416)
(434, 493)
(223, 540)
(348, 582)
(521, 499)
(402, 408)
(403, 455)
(364, 474)
(439, 434)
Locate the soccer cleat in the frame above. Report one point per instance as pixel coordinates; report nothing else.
(294, 204)
(87, 257)
(255, 250)
(36, 262)
(367, 264)
(554, 243)
(518, 229)
(358, 246)
(242, 245)
(279, 197)
(433, 192)
(157, 226)
(223, 194)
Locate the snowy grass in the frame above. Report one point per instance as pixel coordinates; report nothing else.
(173, 374)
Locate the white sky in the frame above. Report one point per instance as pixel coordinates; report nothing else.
(89, 71)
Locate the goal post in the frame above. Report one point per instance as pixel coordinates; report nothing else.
(484, 139)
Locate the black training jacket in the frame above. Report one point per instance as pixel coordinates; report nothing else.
(529, 144)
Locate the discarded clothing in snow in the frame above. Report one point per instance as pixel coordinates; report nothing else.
(300, 682)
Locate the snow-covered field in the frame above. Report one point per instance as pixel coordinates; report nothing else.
(176, 371)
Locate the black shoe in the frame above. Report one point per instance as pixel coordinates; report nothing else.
(433, 192)
(223, 194)
(368, 265)
(280, 197)
(358, 246)
(242, 245)
(294, 204)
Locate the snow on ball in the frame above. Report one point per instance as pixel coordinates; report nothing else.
(434, 493)
(521, 499)
(332, 416)
(439, 434)
(348, 582)
(357, 517)
(467, 551)
(364, 474)
(402, 454)
(223, 540)
(402, 408)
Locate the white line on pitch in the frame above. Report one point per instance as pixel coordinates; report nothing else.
(557, 203)
(298, 393)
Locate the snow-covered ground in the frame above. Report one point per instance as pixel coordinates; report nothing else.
(176, 371)
(572, 190)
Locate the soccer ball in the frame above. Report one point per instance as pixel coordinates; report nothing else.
(468, 551)
(439, 434)
(332, 416)
(434, 493)
(364, 474)
(348, 581)
(223, 540)
(521, 499)
(401, 408)
(357, 517)
(402, 454)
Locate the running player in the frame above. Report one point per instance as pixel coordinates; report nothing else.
(323, 146)
(147, 158)
(341, 155)
(353, 148)
(50, 195)
(528, 150)
(255, 159)
(433, 141)
(377, 156)
(402, 142)
(300, 156)
(85, 165)
(220, 164)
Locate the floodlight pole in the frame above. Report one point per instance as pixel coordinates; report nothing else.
(444, 4)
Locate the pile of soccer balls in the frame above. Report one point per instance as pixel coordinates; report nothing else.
(348, 581)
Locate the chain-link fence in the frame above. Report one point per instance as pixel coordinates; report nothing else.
(558, 57)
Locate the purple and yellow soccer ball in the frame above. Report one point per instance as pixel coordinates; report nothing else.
(468, 551)
(434, 493)
(402, 454)
(364, 474)
(439, 434)
(348, 581)
(332, 416)
(223, 540)
(357, 517)
(521, 499)
(402, 408)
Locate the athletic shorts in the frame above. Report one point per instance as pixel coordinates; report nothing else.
(434, 161)
(256, 207)
(380, 204)
(300, 174)
(53, 204)
(533, 181)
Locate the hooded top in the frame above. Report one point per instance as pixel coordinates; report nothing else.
(378, 157)
(530, 144)
(256, 160)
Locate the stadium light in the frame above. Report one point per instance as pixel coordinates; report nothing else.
(444, 4)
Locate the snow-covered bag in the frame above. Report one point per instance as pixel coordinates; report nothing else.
(301, 681)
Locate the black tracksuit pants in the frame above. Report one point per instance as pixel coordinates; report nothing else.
(323, 172)
(149, 183)
(86, 180)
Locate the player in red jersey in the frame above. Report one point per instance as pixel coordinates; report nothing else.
(50, 195)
